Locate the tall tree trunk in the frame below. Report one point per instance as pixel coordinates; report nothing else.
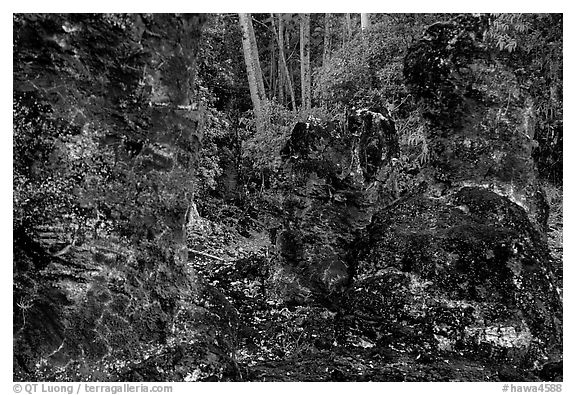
(256, 57)
(348, 27)
(305, 61)
(288, 78)
(365, 21)
(364, 28)
(281, 82)
(255, 80)
(327, 38)
(273, 72)
(290, 70)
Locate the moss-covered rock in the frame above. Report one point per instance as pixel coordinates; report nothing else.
(335, 175)
(106, 136)
(479, 119)
(461, 266)
(463, 273)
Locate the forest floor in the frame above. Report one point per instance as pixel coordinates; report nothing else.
(280, 342)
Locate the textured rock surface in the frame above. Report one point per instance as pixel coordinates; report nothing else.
(335, 175)
(463, 273)
(479, 119)
(101, 289)
(462, 266)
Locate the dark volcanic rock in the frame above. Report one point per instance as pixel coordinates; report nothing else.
(480, 120)
(106, 137)
(464, 273)
(462, 266)
(335, 175)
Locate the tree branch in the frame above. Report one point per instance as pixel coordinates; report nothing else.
(207, 255)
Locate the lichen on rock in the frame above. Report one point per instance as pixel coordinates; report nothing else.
(106, 137)
(336, 174)
(472, 237)
(476, 281)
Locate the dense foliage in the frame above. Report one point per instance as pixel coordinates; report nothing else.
(535, 46)
(365, 70)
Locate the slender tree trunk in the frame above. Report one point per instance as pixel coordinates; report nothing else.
(348, 27)
(305, 61)
(256, 57)
(364, 28)
(365, 21)
(280, 38)
(290, 71)
(251, 71)
(273, 71)
(281, 82)
(327, 38)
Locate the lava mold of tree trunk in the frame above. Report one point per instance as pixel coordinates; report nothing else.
(336, 175)
(462, 265)
(101, 285)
